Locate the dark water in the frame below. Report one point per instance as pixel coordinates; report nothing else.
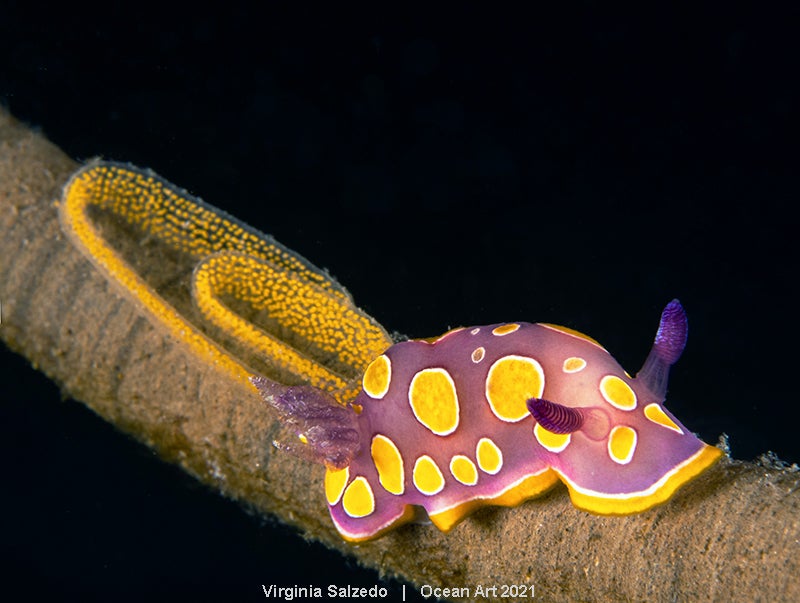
(449, 169)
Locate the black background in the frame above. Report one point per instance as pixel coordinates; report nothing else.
(450, 167)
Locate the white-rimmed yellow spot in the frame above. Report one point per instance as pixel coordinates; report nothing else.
(433, 399)
(554, 442)
(377, 377)
(478, 354)
(335, 481)
(617, 393)
(475, 331)
(505, 329)
(358, 499)
(622, 444)
(573, 364)
(463, 469)
(427, 476)
(389, 463)
(656, 414)
(490, 457)
(512, 380)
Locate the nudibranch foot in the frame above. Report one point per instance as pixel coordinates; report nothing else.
(327, 431)
(624, 503)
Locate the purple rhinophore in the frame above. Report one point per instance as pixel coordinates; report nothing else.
(672, 333)
(554, 417)
(667, 348)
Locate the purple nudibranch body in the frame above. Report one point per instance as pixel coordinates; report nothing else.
(495, 415)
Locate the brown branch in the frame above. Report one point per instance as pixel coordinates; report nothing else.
(732, 534)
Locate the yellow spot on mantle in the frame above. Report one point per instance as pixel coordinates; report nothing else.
(617, 393)
(358, 499)
(378, 377)
(554, 442)
(574, 364)
(656, 414)
(511, 382)
(505, 329)
(433, 399)
(622, 444)
(335, 481)
(463, 469)
(427, 476)
(389, 463)
(490, 458)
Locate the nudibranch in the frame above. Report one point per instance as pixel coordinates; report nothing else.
(495, 415)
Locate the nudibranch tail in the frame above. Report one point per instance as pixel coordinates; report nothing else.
(668, 346)
(327, 431)
(555, 418)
